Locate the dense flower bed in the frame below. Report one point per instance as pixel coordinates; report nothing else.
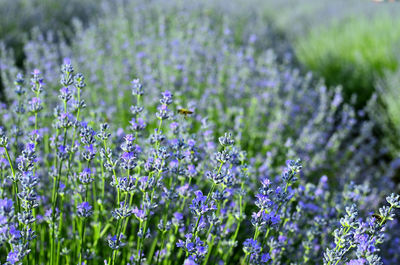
(224, 72)
(160, 194)
(222, 153)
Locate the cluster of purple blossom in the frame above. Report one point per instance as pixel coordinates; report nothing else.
(228, 75)
(105, 170)
(77, 189)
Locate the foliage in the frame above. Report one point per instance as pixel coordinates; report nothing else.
(355, 52)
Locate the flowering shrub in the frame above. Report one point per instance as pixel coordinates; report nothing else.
(77, 189)
(197, 162)
(221, 71)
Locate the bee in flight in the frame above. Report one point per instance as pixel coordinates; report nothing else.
(377, 217)
(185, 112)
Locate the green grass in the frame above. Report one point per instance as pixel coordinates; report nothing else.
(387, 112)
(354, 52)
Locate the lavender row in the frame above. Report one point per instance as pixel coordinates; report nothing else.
(159, 191)
(228, 75)
(196, 163)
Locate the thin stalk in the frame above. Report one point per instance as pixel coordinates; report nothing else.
(15, 184)
(82, 242)
(162, 247)
(209, 251)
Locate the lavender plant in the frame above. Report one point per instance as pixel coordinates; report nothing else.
(76, 188)
(221, 70)
(196, 163)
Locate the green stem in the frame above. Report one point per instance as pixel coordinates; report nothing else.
(82, 241)
(15, 184)
(59, 231)
(114, 174)
(162, 246)
(139, 242)
(209, 251)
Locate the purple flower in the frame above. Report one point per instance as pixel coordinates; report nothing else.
(265, 257)
(138, 124)
(36, 72)
(36, 82)
(282, 238)
(67, 60)
(85, 205)
(137, 88)
(251, 246)
(114, 238)
(35, 104)
(163, 108)
(129, 138)
(167, 94)
(62, 187)
(6, 205)
(200, 205)
(115, 243)
(191, 143)
(178, 218)
(189, 261)
(86, 176)
(271, 219)
(49, 213)
(84, 210)
(90, 149)
(166, 98)
(14, 232)
(192, 170)
(174, 126)
(174, 163)
(128, 156)
(359, 261)
(65, 90)
(184, 190)
(12, 257)
(193, 246)
(139, 213)
(263, 201)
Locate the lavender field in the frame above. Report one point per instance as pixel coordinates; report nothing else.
(199, 132)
